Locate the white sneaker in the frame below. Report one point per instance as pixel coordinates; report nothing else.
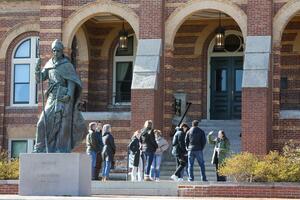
(180, 179)
(174, 177)
(157, 180)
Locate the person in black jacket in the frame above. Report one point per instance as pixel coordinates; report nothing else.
(99, 153)
(179, 151)
(195, 141)
(136, 161)
(148, 147)
(108, 151)
(93, 147)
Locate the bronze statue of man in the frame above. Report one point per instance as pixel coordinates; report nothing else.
(61, 125)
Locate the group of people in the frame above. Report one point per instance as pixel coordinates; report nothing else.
(146, 149)
(188, 145)
(101, 147)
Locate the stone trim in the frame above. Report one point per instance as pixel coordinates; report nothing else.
(282, 18)
(75, 20)
(257, 61)
(31, 26)
(179, 15)
(289, 114)
(147, 64)
(106, 116)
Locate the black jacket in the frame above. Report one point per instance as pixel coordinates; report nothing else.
(195, 139)
(178, 143)
(134, 149)
(147, 140)
(109, 148)
(94, 142)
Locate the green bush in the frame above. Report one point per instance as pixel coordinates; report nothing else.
(274, 167)
(9, 168)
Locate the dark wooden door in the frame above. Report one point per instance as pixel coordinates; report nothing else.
(226, 87)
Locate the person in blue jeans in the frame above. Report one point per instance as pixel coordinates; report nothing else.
(93, 148)
(195, 141)
(108, 151)
(162, 146)
(148, 147)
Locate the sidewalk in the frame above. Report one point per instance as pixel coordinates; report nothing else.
(16, 197)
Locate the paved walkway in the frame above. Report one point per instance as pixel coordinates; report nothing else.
(16, 197)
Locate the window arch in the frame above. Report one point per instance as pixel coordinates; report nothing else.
(24, 59)
(122, 72)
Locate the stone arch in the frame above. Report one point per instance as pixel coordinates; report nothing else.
(15, 32)
(81, 15)
(282, 18)
(180, 14)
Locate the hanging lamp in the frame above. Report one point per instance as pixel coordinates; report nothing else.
(123, 38)
(220, 36)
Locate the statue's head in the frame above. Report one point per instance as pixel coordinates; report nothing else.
(57, 49)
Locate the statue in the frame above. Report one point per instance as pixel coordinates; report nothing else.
(61, 126)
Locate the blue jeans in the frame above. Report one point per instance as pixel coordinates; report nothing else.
(191, 158)
(148, 158)
(106, 168)
(93, 156)
(155, 167)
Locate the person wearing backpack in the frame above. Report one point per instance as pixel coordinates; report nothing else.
(136, 161)
(148, 147)
(179, 151)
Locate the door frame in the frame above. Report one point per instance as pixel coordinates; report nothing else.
(214, 54)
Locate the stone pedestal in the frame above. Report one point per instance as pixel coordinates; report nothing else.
(51, 174)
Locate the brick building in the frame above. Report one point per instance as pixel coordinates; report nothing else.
(170, 58)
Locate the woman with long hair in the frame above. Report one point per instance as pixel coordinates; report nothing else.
(221, 151)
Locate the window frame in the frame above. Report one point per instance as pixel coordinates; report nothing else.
(117, 59)
(30, 144)
(32, 61)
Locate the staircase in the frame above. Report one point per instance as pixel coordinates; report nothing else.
(232, 130)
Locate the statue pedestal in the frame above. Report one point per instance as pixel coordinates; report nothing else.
(54, 174)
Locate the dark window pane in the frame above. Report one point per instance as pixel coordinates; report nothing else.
(23, 50)
(232, 42)
(22, 73)
(238, 80)
(18, 147)
(221, 80)
(21, 94)
(128, 51)
(123, 81)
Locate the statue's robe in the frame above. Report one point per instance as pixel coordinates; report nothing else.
(61, 121)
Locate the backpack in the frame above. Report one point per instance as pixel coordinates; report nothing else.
(134, 145)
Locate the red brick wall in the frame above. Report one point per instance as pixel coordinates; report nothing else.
(259, 17)
(9, 188)
(290, 191)
(286, 64)
(255, 123)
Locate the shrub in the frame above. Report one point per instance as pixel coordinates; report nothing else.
(9, 168)
(240, 166)
(274, 167)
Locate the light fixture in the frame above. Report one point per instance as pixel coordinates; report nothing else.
(220, 36)
(123, 39)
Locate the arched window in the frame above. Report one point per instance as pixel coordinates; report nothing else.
(24, 59)
(122, 72)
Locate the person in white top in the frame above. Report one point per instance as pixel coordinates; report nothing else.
(162, 146)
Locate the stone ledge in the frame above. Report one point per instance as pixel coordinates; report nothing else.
(289, 114)
(106, 115)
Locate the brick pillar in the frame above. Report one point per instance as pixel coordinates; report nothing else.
(256, 99)
(51, 13)
(2, 103)
(147, 87)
